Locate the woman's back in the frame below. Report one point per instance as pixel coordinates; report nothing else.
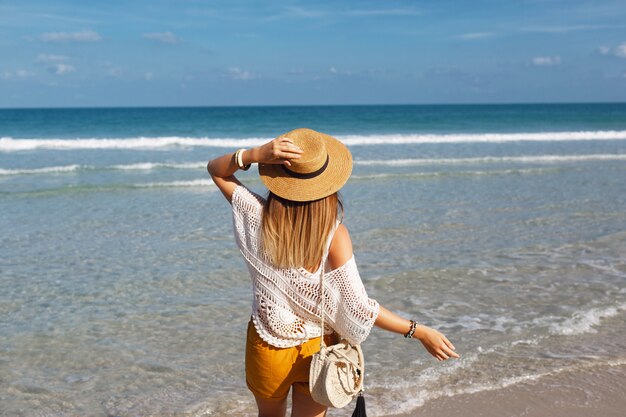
(285, 308)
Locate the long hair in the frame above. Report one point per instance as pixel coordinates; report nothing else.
(294, 233)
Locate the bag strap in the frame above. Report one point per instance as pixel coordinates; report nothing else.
(323, 266)
(322, 344)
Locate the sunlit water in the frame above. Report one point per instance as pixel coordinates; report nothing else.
(122, 292)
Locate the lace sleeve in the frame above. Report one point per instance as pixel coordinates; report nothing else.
(247, 215)
(350, 311)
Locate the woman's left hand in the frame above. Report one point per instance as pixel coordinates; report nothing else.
(436, 343)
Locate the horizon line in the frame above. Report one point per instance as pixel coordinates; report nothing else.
(520, 103)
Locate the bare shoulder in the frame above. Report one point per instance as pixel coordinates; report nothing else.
(340, 250)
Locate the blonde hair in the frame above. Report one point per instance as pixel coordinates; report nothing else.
(294, 233)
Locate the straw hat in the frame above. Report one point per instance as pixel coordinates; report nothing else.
(323, 168)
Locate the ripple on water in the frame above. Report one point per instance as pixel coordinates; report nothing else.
(155, 367)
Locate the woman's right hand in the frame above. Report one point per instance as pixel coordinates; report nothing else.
(435, 343)
(277, 151)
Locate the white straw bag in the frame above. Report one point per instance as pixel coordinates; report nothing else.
(337, 371)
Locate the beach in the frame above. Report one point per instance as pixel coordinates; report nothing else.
(122, 292)
(581, 393)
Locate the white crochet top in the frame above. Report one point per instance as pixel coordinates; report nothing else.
(285, 306)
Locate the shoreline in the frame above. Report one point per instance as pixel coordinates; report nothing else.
(597, 391)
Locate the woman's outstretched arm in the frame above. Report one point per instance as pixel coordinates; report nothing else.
(223, 168)
(434, 342)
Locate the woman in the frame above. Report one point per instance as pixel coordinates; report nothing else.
(286, 240)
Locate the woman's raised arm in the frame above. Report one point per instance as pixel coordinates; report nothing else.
(223, 168)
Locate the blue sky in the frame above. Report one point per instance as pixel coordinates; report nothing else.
(66, 53)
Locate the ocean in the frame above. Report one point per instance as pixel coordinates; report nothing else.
(122, 292)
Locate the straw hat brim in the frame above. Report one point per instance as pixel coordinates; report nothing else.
(280, 182)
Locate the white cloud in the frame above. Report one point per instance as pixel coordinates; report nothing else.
(565, 29)
(163, 37)
(300, 12)
(55, 64)
(115, 72)
(21, 73)
(306, 13)
(338, 72)
(112, 70)
(61, 69)
(546, 61)
(384, 12)
(63, 18)
(82, 36)
(17, 74)
(45, 58)
(238, 74)
(618, 51)
(475, 35)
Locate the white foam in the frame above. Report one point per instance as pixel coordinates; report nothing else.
(11, 144)
(617, 362)
(534, 341)
(395, 401)
(607, 269)
(45, 170)
(143, 166)
(514, 380)
(403, 404)
(519, 171)
(148, 166)
(483, 137)
(493, 159)
(8, 144)
(191, 183)
(584, 321)
(391, 175)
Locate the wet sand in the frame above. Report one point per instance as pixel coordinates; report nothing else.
(599, 391)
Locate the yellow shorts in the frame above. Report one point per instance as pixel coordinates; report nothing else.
(271, 371)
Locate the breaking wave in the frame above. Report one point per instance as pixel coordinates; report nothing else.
(8, 144)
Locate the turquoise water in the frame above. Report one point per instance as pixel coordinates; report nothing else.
(244, 122)
(122, 292)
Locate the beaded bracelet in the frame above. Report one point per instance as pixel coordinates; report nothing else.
(239, 160)
(411, 331)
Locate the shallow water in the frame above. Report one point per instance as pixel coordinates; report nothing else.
(122, 292)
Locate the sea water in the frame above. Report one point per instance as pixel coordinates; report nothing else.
(122, 292)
